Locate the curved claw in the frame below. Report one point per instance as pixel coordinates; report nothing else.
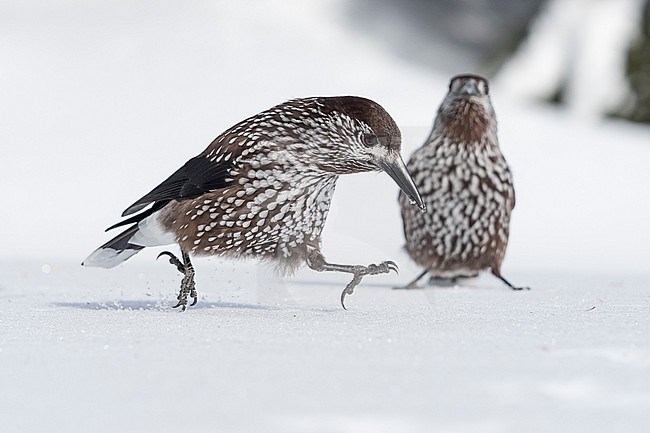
(173, 260)
(349, 289)
(392, 266)
(180, 304)
(196, 299)
(166, 253)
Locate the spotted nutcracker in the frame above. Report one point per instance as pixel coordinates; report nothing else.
(466, 186)
(263, 189)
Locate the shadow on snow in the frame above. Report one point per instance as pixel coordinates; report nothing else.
(202, 305)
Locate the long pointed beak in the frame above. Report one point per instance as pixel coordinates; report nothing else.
(394, 166)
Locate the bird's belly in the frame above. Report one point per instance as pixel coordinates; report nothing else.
(466, 223)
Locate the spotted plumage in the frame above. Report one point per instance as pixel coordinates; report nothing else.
(466, 185)
(263, 189)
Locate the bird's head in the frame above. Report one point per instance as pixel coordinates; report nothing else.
(466, 114)
(358, 135)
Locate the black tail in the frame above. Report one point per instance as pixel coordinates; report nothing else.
(115, 251)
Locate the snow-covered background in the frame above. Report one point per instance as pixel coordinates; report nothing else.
(102, 100)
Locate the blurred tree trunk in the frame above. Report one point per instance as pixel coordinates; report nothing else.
(592, 56)
(638, 73)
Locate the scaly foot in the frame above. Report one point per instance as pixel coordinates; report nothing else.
(360, 271)
(188, 287)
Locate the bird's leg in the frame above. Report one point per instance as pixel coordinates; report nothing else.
(188, 287)
(413, 284)
(507, 283)
(317, 262)
(189, 276)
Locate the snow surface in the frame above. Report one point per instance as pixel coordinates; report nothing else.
(86, 351)
(102, 100)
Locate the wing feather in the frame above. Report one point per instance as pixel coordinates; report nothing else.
(198, 176)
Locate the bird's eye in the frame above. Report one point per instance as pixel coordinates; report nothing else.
(370, 140)
(486, 88)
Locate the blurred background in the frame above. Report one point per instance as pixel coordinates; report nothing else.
(101, 100)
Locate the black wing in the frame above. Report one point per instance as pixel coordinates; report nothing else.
(198, 176)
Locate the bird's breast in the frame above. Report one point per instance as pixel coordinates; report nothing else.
(445, 168)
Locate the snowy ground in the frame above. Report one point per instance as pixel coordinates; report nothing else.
(102, 101)
(83, 351)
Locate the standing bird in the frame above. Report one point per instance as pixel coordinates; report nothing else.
(466, 186)
(263, 189)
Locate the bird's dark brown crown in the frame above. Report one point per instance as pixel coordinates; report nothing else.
(465, 77)
(368, 112)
